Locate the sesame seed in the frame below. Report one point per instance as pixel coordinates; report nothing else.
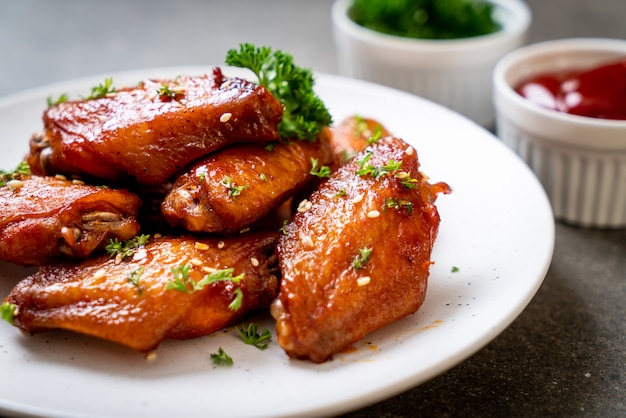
(409, 151)
(357, 199)
(102, 118)
(15, 184)
(100, 274)
(221, 244)
(373, 214)
(243, 231)
(307, 240)
(362, 281)
(201, 246)
(225, 117)
(304, 206)
(157, 235)
(118, 258)
(208, 269)
(254, 262)
(60, 177)
(402, 175)
(196, 262)
(79, 182)
(151, 356)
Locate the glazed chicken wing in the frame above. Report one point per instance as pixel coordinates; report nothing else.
(45, 218)
(180, 287)
(353, 134)
(235, 187)
(359, 258)
(151, 131)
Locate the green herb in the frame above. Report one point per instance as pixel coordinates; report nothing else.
(362, 258)
(316, 170)
(235, 305)
(378, 133)
(126, 249)
(455, 269)
(426, 19)
(8, 311)
(283, 229)
(251, 336)
(221, 358)
(61, 99)
(233, 189)
(264, 177)
(393, 203)
(202, 177)
(101, 90)
(22, 169)
(341, 192)
(408, 182)
(134, 276)
(181, 279)
(270, 147)
(305, 115)
(183, 283)
(365, 168)
(165, 92)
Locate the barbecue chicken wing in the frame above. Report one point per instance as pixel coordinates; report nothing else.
(353, 134)
(359, 258)
(170, 288)
(151, 131)
(45, 218)
(237, 186)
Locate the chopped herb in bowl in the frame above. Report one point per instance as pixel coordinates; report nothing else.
(426, 19)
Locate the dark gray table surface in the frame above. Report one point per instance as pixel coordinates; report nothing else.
(566, 353)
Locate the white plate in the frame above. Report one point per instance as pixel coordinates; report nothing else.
(497, 228)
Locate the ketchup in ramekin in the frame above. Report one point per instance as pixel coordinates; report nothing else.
(599, 92)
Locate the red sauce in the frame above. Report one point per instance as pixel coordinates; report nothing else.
(598, 93)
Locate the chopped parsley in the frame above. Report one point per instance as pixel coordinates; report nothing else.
(61, 99)
(365, 168)
(316, 170)
(233, 189)
(8, 311)
(362, 258)
(134, 276)
(167, 93)
(101, 90)
(251, 336)
(394, 203)
(126, 249)
(455, 269)
(305, 115)
(221, 358)
(22, 169)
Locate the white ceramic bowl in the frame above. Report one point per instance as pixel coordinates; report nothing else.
(580, 161)
(455, 73)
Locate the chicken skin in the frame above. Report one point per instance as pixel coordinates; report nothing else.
(238, 186)
(359, 257)
(353, 134)
(151, 131)
(178, 287)
(43, 219)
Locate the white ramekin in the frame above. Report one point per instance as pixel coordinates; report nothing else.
(455, 73)
(580, 161)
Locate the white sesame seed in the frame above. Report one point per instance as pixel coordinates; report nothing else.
(221, 244)
(118, 258)
(357, 199)
(362, 281)
(225, 117)
(79, 182)
(157, 235)
(243, 231)
(307, 241)
(208, 269)
(100, 274)
(402, 175)
(373, 214)
(201, 246)
(151, 356)
(60, 177)
(254, 262)
(15, 184)
(304, 206)
(409, 151)
(196, 262)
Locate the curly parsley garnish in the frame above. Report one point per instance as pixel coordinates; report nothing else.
(362, 258)
(316, 170)
(8, 311)
(221, 358)
(305, 115)
(22, 169)
(101, 90)
(251, 336)
(126, 249)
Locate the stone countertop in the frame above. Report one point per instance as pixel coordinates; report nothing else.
(565, 355)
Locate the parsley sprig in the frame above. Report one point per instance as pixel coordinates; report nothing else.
(305, 114)
(8, 311)
(233, 189)
(251, 336)
(101, 90)
(362, 258)
(221, 358)
(126, 249)
(22, 169)
(319, 171)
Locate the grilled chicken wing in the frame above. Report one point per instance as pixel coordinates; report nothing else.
(176, 287)
(359, 258)
(153, 130)
(46, 218)
(237, 186)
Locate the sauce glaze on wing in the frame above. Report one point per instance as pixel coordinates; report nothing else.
(333, 292)
(148, 135)
(129, 303)
(237, 186)
(47, 219)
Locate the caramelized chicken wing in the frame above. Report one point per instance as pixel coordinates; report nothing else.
(179, 287)
(359, 258)
(45, 218)
(151, 131)
(237, 186)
